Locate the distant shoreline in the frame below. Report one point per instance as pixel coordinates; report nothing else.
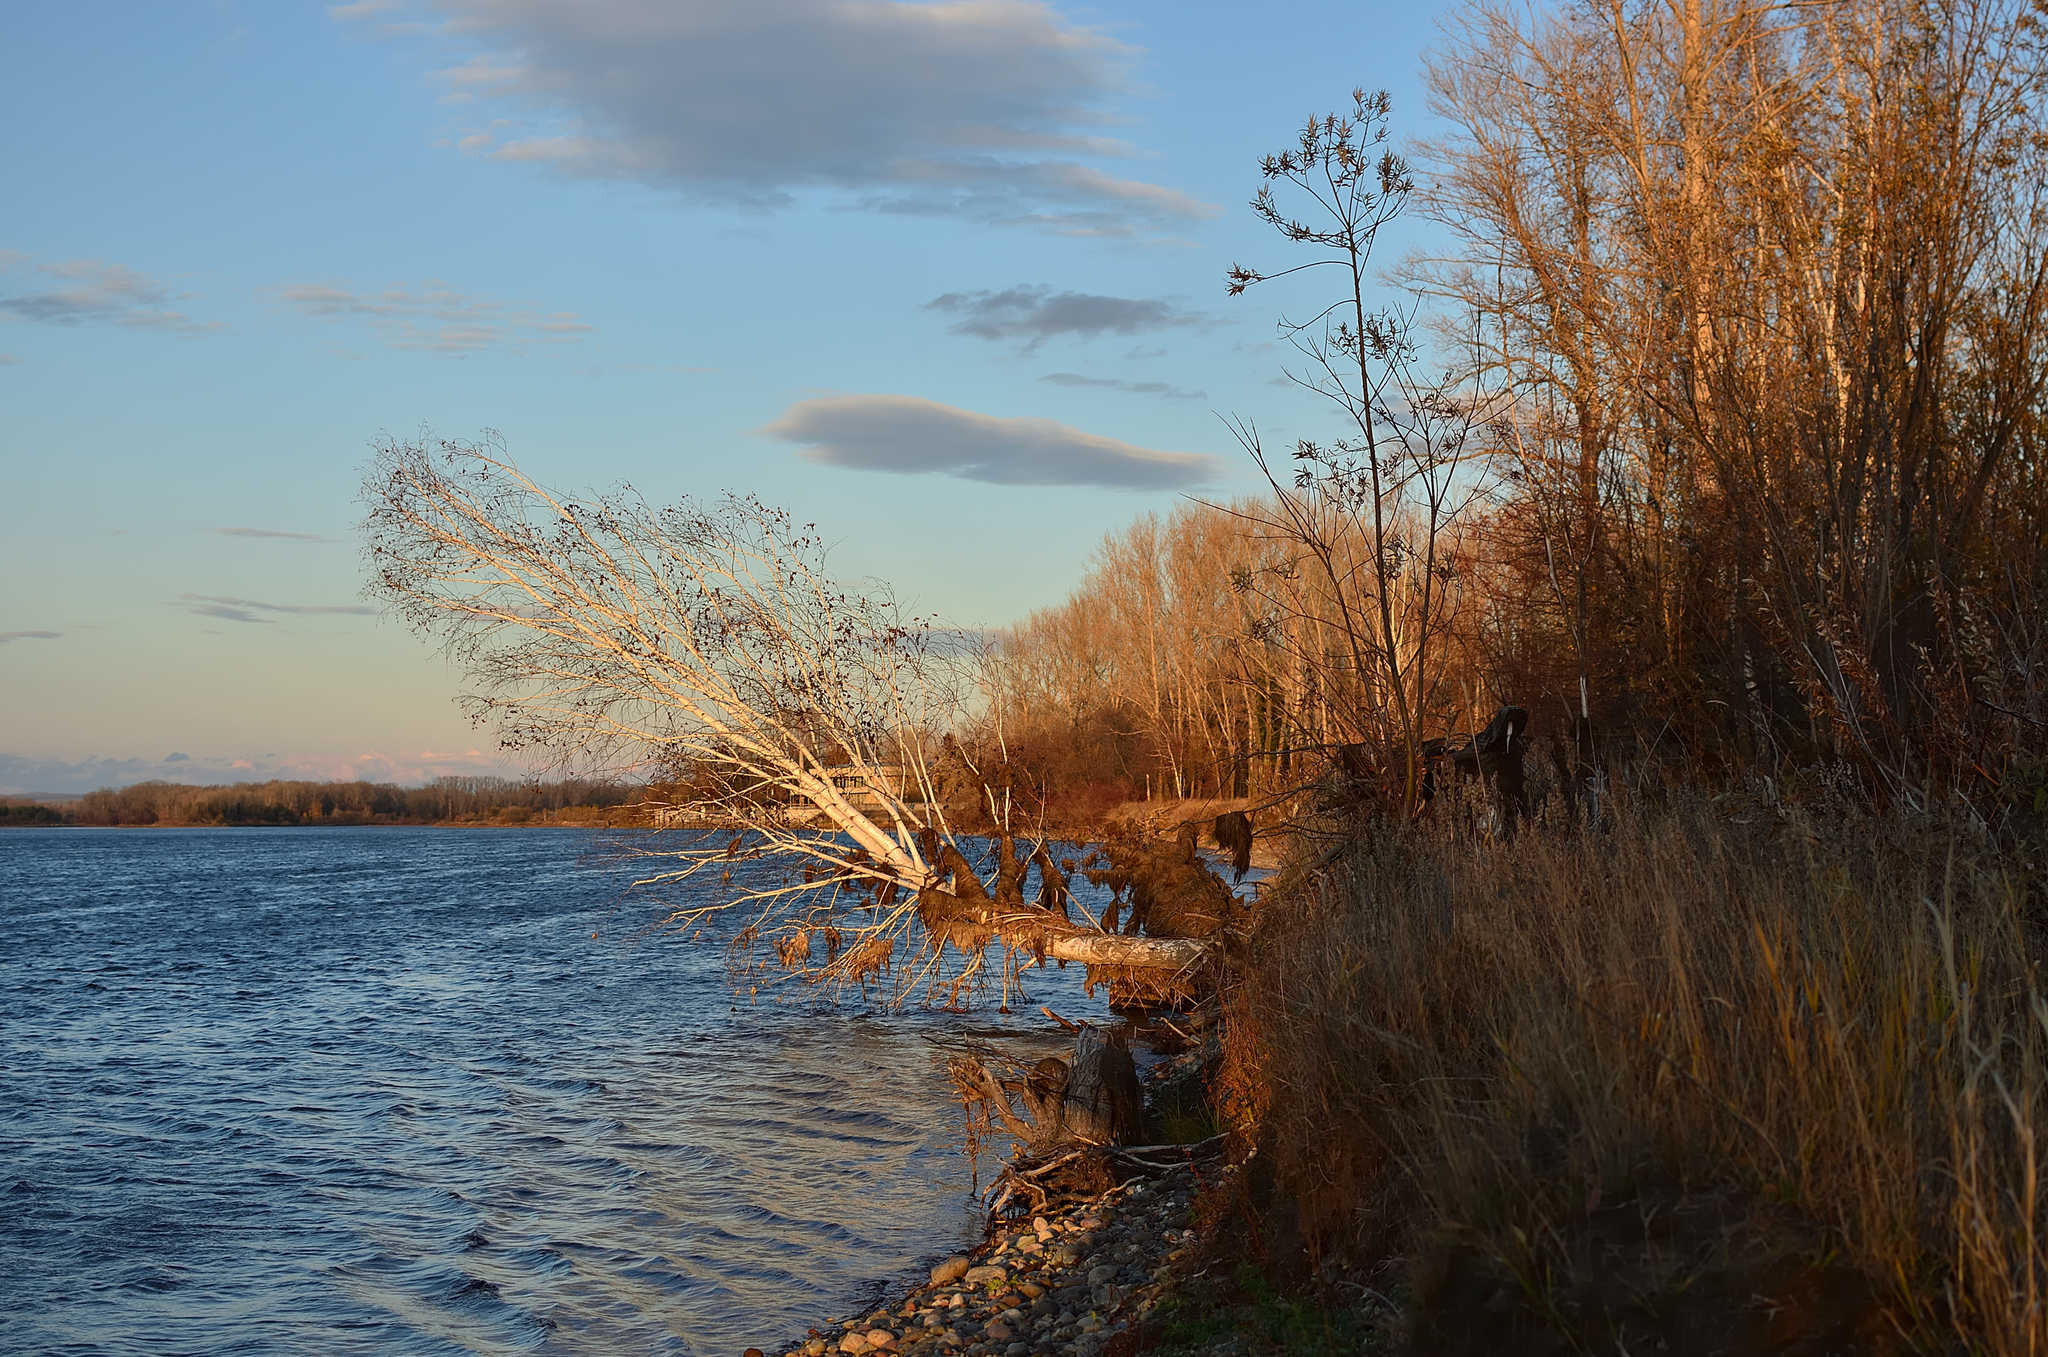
(337, 823)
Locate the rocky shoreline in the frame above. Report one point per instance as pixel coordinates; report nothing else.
(1065, 1284)
(1060, 1287)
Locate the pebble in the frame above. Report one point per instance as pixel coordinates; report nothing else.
(1071, 1284)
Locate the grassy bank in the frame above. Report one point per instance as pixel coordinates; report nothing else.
(1730, 1075)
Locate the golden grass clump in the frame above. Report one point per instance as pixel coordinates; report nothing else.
(1777, 1043)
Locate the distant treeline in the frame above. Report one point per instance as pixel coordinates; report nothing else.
(448, 800)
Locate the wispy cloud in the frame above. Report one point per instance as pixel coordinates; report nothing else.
(1057, 197)
(266, 532)
(433, 316)
(91, 292)
(1166, 389)
(8, 359)
(6, 636)
(1036, 314)
(996, 110)
(251, 610)
(910, 436)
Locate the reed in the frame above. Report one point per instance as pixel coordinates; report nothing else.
(1824, 1021)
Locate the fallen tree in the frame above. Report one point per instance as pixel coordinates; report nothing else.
(709, 646)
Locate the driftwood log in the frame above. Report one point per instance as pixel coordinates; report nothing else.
(1121, 949)
(1091, 1099)
(1031, 1186)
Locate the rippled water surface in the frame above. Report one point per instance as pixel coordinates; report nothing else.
(381, 1091)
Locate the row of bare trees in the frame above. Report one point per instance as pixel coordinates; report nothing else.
(1151, 679)
(1734, 457)
(1206, 654)
(286, 802)
(1758, 291)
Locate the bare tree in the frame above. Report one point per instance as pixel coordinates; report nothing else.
(1369, 513)
(711, 642)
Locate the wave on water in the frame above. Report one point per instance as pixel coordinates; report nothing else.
(380, 1091)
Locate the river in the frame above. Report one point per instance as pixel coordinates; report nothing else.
(381, 1090)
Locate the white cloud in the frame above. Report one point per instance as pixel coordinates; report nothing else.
(990, 109)
(910, 436)
(434, 317)
(92, 292)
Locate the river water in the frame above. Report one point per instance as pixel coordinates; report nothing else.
(380, 1090)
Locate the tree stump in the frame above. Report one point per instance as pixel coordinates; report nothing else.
(1092, 1099)
(1103, 1105)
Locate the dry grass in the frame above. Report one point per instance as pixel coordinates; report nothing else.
(1824, 1021)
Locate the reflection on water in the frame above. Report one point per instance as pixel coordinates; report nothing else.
(379, 1090)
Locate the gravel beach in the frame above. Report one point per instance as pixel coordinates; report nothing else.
(1065, 1284)
(1062, 1286)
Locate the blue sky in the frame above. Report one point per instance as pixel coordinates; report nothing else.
(945, 279)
